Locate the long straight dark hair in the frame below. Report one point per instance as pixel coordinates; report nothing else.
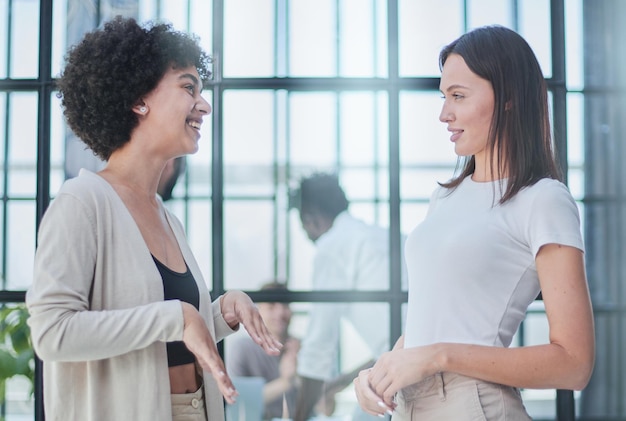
(520, 125)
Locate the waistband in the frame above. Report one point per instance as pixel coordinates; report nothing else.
(437, 385)
(195, 399)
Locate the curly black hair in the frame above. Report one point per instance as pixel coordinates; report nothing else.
(108, 72)
(321, 194)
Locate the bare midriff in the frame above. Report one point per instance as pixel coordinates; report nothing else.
(184, 379)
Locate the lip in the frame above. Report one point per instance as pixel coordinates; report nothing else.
(456, 134)
(194, 123)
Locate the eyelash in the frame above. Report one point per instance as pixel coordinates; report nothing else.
(191, 88)
(454, 96)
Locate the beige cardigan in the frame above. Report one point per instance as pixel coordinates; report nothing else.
(97, 314)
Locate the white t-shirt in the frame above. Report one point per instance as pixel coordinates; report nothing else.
(471, 262)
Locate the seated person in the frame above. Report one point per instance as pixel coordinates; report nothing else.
(243, 359)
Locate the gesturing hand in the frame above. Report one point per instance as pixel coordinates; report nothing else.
(199, 341)
(237, 307)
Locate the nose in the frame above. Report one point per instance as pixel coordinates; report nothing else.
(445, 115)
(203, 106)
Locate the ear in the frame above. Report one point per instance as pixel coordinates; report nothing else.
(508, 106)
(141, 108)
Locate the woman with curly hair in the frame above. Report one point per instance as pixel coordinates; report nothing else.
(501, 231)
(120, 313)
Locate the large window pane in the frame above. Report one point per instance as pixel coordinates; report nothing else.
(363, 128)
(59, 28)
(313, 129)
(534, 26)
(312, 38)
(574, 44)
(490, 12)
(19, 244)
(24, 39)
(249, 245)
(4, 43)
(198, 226)
(22, 144)
(424, 28)
(362, 29)
(249, 38)
(423, 138)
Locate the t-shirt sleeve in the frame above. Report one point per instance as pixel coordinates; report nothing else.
(553, 218)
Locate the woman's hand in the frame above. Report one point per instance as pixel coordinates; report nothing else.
(237, 307)
(199, 341)
(400, 368)
(369, 401)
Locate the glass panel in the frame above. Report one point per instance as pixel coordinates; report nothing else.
(489, 12)
(366, 184)
(4, 120)
(22, 144)
(575, 144)
(313, 129)
(312, 38)
(540, 404)
(175, 12)
(24, 39)
(4, 41)
(534, 26)
(419, 183)
(57, 145)
(362, 29)
(364, 128)
(574, 44)
(423, 138)
(21, 238)
(423, 31)
(411, 215)
(201, 18)
(59, 35)
(199, 235)
(248, 237)
(249, 38)
(249, 153)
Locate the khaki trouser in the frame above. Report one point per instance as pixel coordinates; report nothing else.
(449, 396)
(189, 406)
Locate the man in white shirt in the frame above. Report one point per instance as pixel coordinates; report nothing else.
(350, 255)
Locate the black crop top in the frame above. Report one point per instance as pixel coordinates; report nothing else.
(178, 286)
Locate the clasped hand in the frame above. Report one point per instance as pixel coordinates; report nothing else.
(376, 387)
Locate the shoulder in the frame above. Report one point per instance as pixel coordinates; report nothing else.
(546, 192)
(87, 186)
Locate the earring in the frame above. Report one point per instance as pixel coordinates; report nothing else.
(143, 109)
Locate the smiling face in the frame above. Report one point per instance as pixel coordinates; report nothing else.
(467, 109)
(175, 109)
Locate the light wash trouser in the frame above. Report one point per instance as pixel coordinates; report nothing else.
(449, 396)
(189, 406)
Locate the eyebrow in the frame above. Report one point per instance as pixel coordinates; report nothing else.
(193, 79)
(453, 87)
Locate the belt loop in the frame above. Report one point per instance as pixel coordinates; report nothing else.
(441, 387)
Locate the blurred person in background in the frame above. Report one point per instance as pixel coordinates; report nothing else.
(350, 255)
(245, 358)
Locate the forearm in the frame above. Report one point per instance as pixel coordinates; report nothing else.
(549, 366)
